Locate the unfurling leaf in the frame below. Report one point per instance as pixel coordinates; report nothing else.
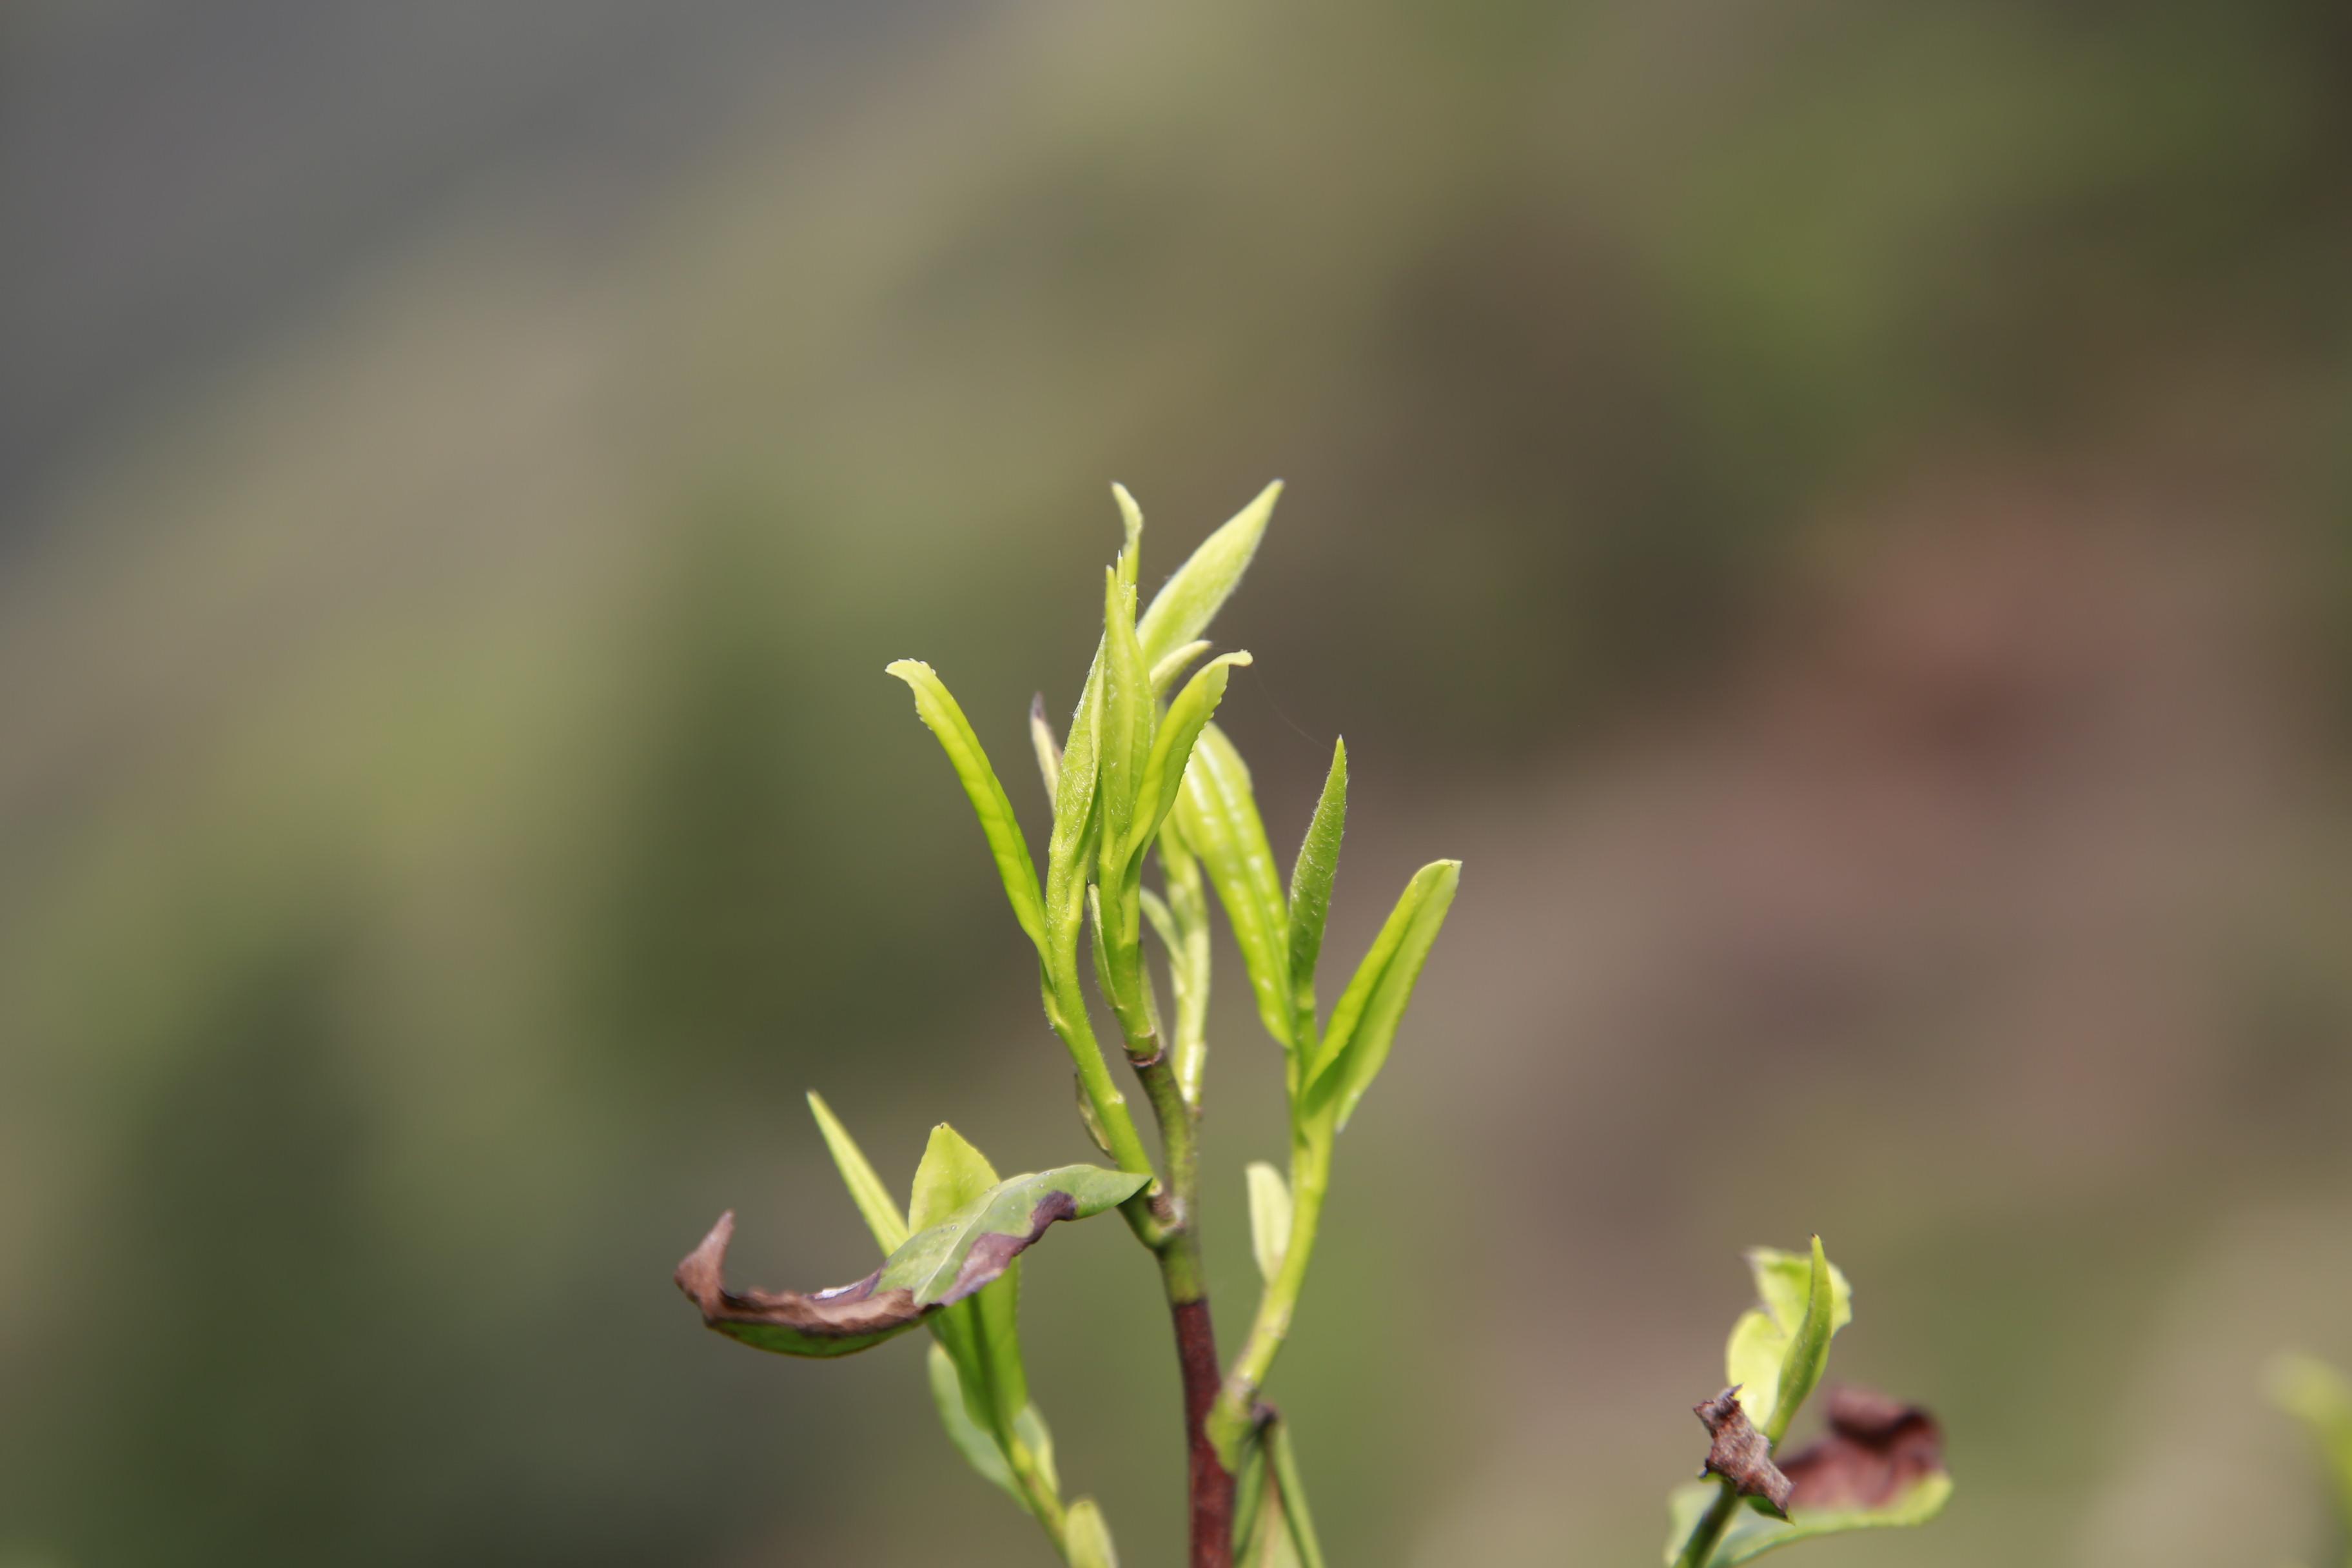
(935, 1268)
(981, 1334)
(1086, 1114)
(1187, 909)
(1310, 888)
(1164, 672)
(1217, 814)
(1364, 1023)
(1778, 1348)
(1269, 1209)
(875, 1204)
(1048, 750)
(953, 1175)
(1172, 749)
(1190, 599)
(1124, 740)
(1069, 849)
(1086, 1538)
(978, 1448)
(1879, 1465)
(938, 710)
(1739, 1453)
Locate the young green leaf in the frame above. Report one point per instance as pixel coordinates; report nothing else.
(1125, 739)
(1879, 1466)
(1130, 517)
(1171, 750)
(1190, 599)
(981, 1334)
(1310, 889)
(1078, 822)
(1757, 1356)
(1086, 1538)
(935, 1268)
(1164, 672)
(875, 1204)
(1270, 1210)
(953, 1175)
(938, 710)
(1364, 1024)
(1217, 814)
(1048, 750)
(1187, 907)
(977, 1446)
(1809, 1345)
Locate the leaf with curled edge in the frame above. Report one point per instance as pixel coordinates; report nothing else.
(1778, 1349)
(936, 1268)
(1879, 1465)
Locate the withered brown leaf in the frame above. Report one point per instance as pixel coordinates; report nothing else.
(1876, 1450)
(1739, 1453)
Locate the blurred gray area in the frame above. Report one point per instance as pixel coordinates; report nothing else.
(179, 177)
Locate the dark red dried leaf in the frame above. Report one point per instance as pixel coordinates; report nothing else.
(1876, 1450)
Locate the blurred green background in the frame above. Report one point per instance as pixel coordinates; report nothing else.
(1836, 511)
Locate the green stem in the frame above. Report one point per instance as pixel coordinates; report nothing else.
(1310, 1172)
(1708, 1531)
(1210, 1485)
(1066, 1009)
(1037, 1491)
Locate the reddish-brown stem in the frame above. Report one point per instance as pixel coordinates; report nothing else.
(1212, 1485)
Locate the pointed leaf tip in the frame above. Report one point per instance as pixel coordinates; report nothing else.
(1311, 874)
(938, 708)
(1364, 1022)
(1192, 597)
(874, 1202)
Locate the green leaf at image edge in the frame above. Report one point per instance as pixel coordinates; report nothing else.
(1750, 1535)
(2317, 1396)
